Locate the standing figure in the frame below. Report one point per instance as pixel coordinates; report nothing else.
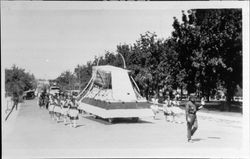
(191, 118)
(167, 110)
(176, 111)
(46, 101)
(57, 109)
(41, 99)
(202, 101)
(155, 107)
(73, 112)
(51, 107)
(65, 109)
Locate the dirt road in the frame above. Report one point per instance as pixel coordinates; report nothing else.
(35, 135)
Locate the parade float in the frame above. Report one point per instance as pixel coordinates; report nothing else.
(113, 93)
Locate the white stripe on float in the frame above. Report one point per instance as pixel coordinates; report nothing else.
(115, 113)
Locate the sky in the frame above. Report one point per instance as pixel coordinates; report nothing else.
(48, 38)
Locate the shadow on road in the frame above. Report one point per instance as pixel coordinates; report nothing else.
(130, 121)
(79, 126)
(214, 137)
(117, 121)
(197, 139)
(200, 139)
(102, 121)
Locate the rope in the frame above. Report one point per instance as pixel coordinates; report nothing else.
(88, 82)
(124, 63)
(90, 86)
(85, 88)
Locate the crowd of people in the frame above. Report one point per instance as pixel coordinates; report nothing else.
(64, 108)
(61, 108)
(173, 112)
(170, 109)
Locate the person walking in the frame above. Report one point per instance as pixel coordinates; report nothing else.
(57, 108)
(191, 118)
(65, 109)
(73, 112)
(167, 110)
(46, 101)
(51, 107)
(202, 101)
(155, 107)
(176, 111)
(41, 100)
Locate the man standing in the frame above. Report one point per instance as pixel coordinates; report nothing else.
(191, 118)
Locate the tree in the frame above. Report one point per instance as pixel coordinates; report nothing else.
(83, 74)
(186, 38)
(223, 47)
(18, 81)
(209, 42)
(66, 80)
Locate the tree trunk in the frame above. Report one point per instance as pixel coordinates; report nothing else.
(181, 92)
(229, 98)
(207, 95)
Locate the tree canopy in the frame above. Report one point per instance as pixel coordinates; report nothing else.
(17, 80)
(203, 55)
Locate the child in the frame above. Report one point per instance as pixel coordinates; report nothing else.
(65, 109)
(51, 107)
(57, 109)
(202, 102)
(155, 107)
(176, 112)
(73, 112)
(167, 110)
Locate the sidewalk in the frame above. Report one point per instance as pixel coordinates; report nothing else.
(8, 125)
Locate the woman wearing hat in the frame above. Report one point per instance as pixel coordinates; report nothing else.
(73, 112)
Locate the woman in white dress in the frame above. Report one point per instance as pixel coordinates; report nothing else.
(167, 110)
(73, 112)
(176, 112)
(51, 107)
(57, 109)
(65, 109)
(155, 107)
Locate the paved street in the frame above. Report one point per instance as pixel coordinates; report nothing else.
(34, 134)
